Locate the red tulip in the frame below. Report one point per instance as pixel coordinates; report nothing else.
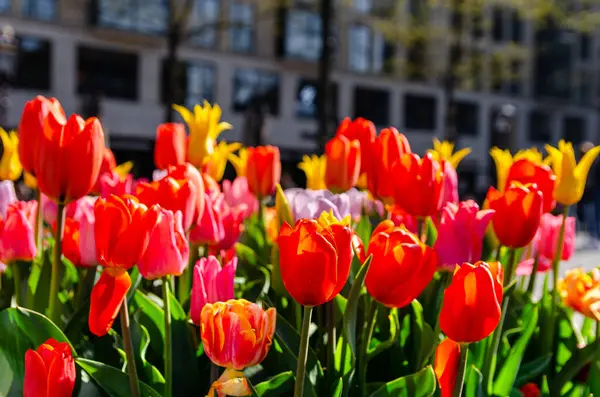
(49, 370)
(527, 172)
(31, 127)
(401, 266)
(471, 307)
(188, 172)
(445, 364)
(386, 151)
(418, 185)
(263, 170)
(518, 213)
(364, 132)
(530, 390)
(171, 145)
(122, 230)
(69, 158)
(343, 164)
(315, 260)
(70, 241)
(174, 195)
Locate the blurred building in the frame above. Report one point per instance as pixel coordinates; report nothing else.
(113, 52)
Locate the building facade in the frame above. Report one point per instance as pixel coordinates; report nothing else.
(242, 51)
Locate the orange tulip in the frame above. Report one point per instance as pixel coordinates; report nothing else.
(386, 151)
(518, 213)
(445, 364)
(122, 230)
(343, 164)
(418, 185)
(49, 370)
(581, 292)
(236, 334)
(263, 170)
(315, 259)
(69, 158)
(171, 145)
(31, 127)
(401, 266)
(171, 194)
(363, 131)
(471, 308)
(527, 172)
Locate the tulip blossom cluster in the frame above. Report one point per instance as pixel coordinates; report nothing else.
(378, 256)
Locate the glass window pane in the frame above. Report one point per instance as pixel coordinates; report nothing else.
(205, 16)
(363, 5)
(33, 63)
(372, 104)
(4, 5)
(420, 112)
(241, 34)
(145, 16)
(39, 9)
(253, 86)
(303, 35)
(360, 47)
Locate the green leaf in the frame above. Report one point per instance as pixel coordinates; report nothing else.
(185, 366)
(431, 232)
(246, 254)
(473, 382)
(533, 369)
(578, 360)
(23, 329)
(349, 320)
(6, 375)
(421, 384)
(340, 303)
(363, 230)
(423, 340)
(151, 317)
(508, 374)
(70, 276)
(38, 285)
(136, 279)
(276, 280)
(343, 357)
(112, 380)
(394, 331)
(594, 378)
(278, 385)
(147, 372)
(339, 388)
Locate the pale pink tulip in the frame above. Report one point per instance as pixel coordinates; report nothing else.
(168, 249)
(7, 195)
(17, 240)
(460, 234)
(211, 284)
(87, 239)
(237, 193)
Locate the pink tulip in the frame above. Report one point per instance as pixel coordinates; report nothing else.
(232, 219)
(450, 189)
(74, 209)
(211, 284)
(460, 234)
(17, 240)
(209, 230)
(237, 193)
(168, 250)
(7, 195)
(87, 239)
(112, 183)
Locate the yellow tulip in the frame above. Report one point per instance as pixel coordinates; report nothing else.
(215, 166)
(204, 126)
(239, 161)
(581, 292)
(444, 151)
(327, 219)
(124, 169)
(314, 168)
(10, 166)
(29, 180)
(504, 160)
(570, 176)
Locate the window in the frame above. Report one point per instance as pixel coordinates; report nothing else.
(195, 83)
(368, 50)
(497, 24)
(241, 35)
(467, 118)
(114, 74)
(253, 86)
(516, 76)
(5, 5)
(585, 47)
(364, 6)
(144, 16)
(33, 63)
(303, 35)
(539, 126)
(574, 129)
(39, 9)
(420, 112)
(307, 98)
(204, 18)
(372, 104)
(516, 24)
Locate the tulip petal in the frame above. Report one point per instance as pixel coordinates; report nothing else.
(36, 376)
(106, 299)
(445, 364)
(61, 377)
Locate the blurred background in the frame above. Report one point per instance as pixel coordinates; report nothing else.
(481, 73)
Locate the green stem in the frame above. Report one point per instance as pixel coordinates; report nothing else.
(16, 269)
(365, 342)
(558, 254)
(462, 370)
(422, 228)
(303, 353)
(39, 224)
(298, 316)
(489, 364)
(498, 252)
(86, 282)
(510, 269)
(134, 384)
(331, 334)
(597, 331)
(56, 265)
(167, 353)
(533, 276)
(184, 283)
